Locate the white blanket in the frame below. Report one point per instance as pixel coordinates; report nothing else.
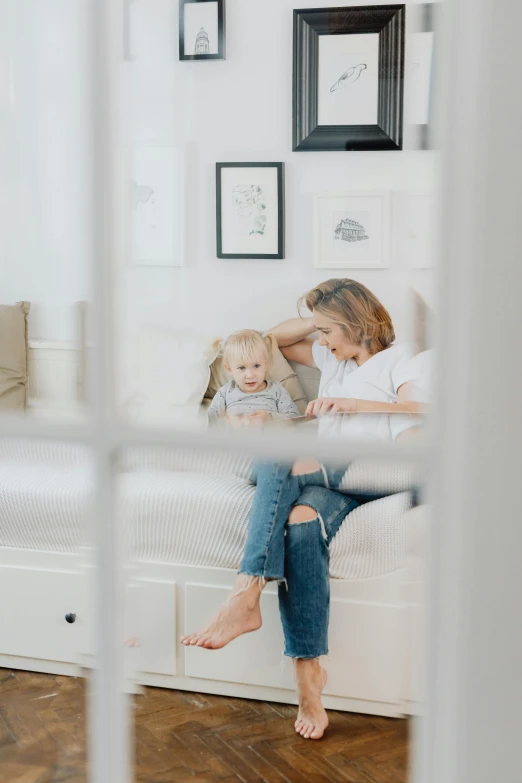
(179, 507)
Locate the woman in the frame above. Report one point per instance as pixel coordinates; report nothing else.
(297, 510)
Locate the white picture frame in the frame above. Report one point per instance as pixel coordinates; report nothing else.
(418, 76)
(157, 205)
(413, 228)
(352, 230)
(419, 65)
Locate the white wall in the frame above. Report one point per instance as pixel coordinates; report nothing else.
(44, 164)
(241, 110)
(236, 110)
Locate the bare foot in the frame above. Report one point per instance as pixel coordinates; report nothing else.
(312, 719)
(240, 614)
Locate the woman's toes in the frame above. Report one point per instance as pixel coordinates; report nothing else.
(316, 733)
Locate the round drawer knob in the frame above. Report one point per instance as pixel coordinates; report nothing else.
(70, 617)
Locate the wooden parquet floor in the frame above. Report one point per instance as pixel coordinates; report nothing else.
(189, 737)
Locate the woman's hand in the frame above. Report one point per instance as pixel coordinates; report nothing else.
(323, 405)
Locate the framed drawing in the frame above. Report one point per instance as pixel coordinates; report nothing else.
(419, 72)
(157, 205)
(352, 230)
(201, 29)
(348, 78)
(250, 214)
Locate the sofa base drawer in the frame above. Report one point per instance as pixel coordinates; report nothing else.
(43, 614)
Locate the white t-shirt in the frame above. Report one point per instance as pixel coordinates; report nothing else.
(419, 368)
(377, 379)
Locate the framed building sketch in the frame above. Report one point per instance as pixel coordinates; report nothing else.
(250, 214)
(348, 78)
(157, 205)
(201, 29)
(352, 230)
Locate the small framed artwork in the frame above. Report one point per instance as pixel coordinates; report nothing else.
(348, 78)
(414, 220)
(157, 205)
(250, 211)
(352, 230)
(419, 72)
(201, 29)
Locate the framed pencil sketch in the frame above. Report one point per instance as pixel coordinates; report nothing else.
(201, 29)
(157, 205)
(250, 213)
(348, 81)
(352, 230)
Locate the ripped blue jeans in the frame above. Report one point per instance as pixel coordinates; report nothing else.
(297, 555)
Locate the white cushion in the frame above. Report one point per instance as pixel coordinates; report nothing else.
(165, 376)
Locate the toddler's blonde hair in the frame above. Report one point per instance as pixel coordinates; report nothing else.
(245, 347)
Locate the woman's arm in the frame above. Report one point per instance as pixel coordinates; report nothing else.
(300, 352)
(404, 404)
(293, 331)
(293, 339)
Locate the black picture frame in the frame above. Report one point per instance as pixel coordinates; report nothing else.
(221, 31)
(388, 21)
(280, 168)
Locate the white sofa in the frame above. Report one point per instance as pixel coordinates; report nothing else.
(186, 515)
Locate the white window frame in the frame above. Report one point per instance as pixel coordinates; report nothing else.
(453, 731)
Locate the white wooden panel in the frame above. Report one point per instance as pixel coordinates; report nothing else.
(366, 660)
(156, 611)
(414, 653)
(365, 640)
(54, 373)
(39, 665)
(34, 605)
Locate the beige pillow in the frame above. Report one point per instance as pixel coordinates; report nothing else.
(13, 356)
(279, 370)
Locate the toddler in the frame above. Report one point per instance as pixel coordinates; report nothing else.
(249, 399)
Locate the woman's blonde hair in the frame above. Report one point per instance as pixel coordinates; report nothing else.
(247, 346)
(353, 306)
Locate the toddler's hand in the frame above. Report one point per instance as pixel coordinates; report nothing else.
(237, 422)
(259, 418)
